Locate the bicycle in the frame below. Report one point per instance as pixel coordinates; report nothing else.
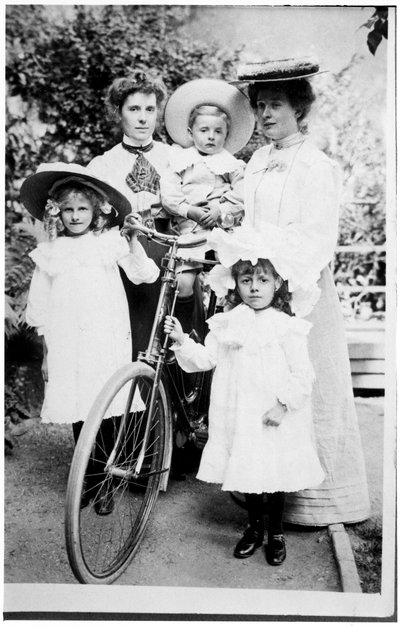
(121, 463)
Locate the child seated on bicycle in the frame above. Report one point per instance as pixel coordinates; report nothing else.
(260, 422)
(209, 120)
(76, 299)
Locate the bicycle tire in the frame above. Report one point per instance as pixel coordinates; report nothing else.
(100, 547)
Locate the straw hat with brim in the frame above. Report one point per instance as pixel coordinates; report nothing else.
(36, 188)
(209, 91)
(279, 70)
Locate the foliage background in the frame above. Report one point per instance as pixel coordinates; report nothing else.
(58, 67)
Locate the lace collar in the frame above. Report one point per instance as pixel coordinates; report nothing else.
(220, 163)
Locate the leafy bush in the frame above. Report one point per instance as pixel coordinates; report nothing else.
(58, 69)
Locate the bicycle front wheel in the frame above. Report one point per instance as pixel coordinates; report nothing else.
(115, 475)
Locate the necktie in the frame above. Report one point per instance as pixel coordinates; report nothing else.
(143, 177)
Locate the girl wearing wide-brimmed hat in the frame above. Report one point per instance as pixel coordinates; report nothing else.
(209, 120)
(292, 195)
(260, 423)
(76, 300)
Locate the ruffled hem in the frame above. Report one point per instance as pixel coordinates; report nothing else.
(263, 486)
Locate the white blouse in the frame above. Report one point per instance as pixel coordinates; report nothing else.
(293, 195)
(115, 164)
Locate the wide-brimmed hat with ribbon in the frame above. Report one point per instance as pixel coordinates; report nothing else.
(38, 187)
(244, 243)
(278, 70)
(215, 92)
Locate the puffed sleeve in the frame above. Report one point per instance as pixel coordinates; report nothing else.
(138, 267)
(296, 389)
(311, 239)
(38, 299)
(232, 201)
(172, 196)
(195, 357)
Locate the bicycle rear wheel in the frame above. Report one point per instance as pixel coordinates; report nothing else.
(103, 537)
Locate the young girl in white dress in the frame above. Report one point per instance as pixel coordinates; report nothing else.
(76, 300)
(260, 427)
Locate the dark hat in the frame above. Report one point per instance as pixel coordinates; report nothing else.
(36, 188)
(279, 70)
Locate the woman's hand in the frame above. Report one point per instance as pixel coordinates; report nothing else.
(173, 328)
(197, 214)
(275, 415)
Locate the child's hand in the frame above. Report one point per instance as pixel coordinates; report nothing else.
(197, 213)
(129, 228)
(275, 415)
(212, 217)
(173, 328)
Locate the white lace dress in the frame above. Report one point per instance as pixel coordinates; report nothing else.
(259, 358)
(78, 303)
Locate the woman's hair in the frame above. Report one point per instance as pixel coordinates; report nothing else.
(282, 295)
(298, 92)
(205, 109)
(136, 82)
(102, 210)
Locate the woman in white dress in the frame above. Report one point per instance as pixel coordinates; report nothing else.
(292, 196)
(260, 424)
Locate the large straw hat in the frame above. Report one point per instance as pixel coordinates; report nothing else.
(246, 243)
(278, 70)
(209, 91)
(35, 189)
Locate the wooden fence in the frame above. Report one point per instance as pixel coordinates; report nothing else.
(365, 338)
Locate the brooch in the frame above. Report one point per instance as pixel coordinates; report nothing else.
(279, 166)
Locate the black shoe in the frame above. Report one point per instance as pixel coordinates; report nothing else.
(252, 539)
(276, 550)
(104, 503)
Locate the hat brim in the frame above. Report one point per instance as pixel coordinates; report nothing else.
(35, 189)
(210, 92)
(252, 81)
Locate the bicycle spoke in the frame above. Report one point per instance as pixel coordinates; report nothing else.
(111, 525)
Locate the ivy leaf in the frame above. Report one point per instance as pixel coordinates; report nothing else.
(373, 41)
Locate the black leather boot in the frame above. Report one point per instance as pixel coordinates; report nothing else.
(276, 549)
(253, 536)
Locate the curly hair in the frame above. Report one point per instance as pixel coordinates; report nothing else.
(101, 220)
(299, 93)
(137, 82)
(282, 296)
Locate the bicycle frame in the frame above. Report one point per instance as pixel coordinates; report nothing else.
(155, 354)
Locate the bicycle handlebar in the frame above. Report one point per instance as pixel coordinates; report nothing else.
(161, 238)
